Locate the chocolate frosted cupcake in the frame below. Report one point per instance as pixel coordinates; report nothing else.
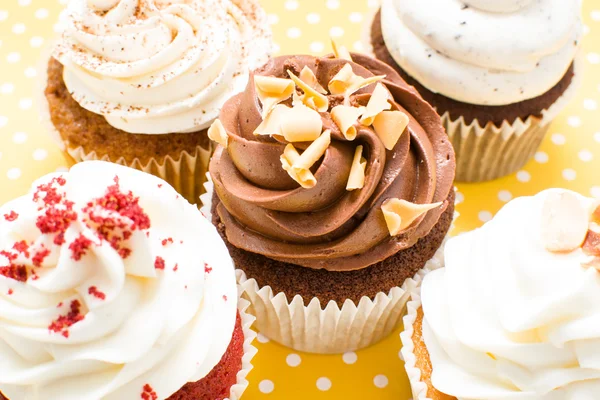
(105, 296)
(333, 187)
(138, 82)
(514, 313)
(497, 72)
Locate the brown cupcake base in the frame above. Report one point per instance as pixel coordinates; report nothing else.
(470, 112)
(339, 286)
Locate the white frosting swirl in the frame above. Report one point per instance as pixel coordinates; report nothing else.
(507, 319)
(485, 52)
(161, 66)
(140, 324)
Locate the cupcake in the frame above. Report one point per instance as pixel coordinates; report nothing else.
(514, 314)
(498, 72)
(333, 188)
(105, 295)
(139, 82)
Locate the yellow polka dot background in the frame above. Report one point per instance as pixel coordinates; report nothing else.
(569, 157)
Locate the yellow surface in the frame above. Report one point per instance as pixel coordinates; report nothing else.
(569, 157)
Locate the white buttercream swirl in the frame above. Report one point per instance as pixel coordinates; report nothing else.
(507, 319)
(161, 327)
(484, 52)
(160, 66)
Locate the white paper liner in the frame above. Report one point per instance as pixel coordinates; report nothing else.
(250, 351)
(184, 173)
(418, 387)
(329, 330)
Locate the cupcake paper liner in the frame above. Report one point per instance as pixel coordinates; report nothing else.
(488, 152)
(185, 173)
(250, 351)
(328, 330)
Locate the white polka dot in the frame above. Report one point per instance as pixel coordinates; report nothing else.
(595, 15)
(25, 104)
(505, 196)
(36, 41)
(7, 88)
(273, 19)
(484, 216)
(523, 176)
(19, 28)
(19, 137)
(313, 18)
(40, 154)
(23, 3)
(13, 57)
(350, 357)
(293, 360)
(380, 381)
(262, 338)
(541, 157)
(358, 46)
(333, 4)
(595, 191)
(336, 31)
(291, 5)
(356, 17)
(593, 58)
(3, 15)
(559, 139)
(266, 386)
(590, 104)
(294, 33)
(317, 47)
(13, 173)
(575, 122)
(41, 13)
(30, 72)
(459, 198)
(3, 121)
(569, 174)
(323, 384)
(586, 156)
(597, 137)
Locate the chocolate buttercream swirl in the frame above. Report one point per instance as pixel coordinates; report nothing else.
(328, 227)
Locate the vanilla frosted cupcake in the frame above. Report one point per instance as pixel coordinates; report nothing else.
(515, 312)
(497, 72)
(105, 295)
(138, 82)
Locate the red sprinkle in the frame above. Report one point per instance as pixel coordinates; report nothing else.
(160, 185)
(59, 305)
(159, 263)
(22, 247)
(224, 297)
(10, 292)
(62, 323)
(12, 216)
(93, 290)
(79, 247)
(12, 270)
(176, 267)
(148, 393)
(207, 269)
(40, 256)
(167, 241)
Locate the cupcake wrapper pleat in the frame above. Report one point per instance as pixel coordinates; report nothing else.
(328, 330)
(250, 351)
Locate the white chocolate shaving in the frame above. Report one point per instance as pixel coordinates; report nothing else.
(271, 124)
(356, 180)
(564, 222)
(340, 51)
(301, 124)
(311, 98)
(400, 214)
(314, 152)
(345, 117)
(217, 133)
(346, 82)
(304, 177)
(389, 126)
(272, 91)
(308, 76)
(377, 103)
